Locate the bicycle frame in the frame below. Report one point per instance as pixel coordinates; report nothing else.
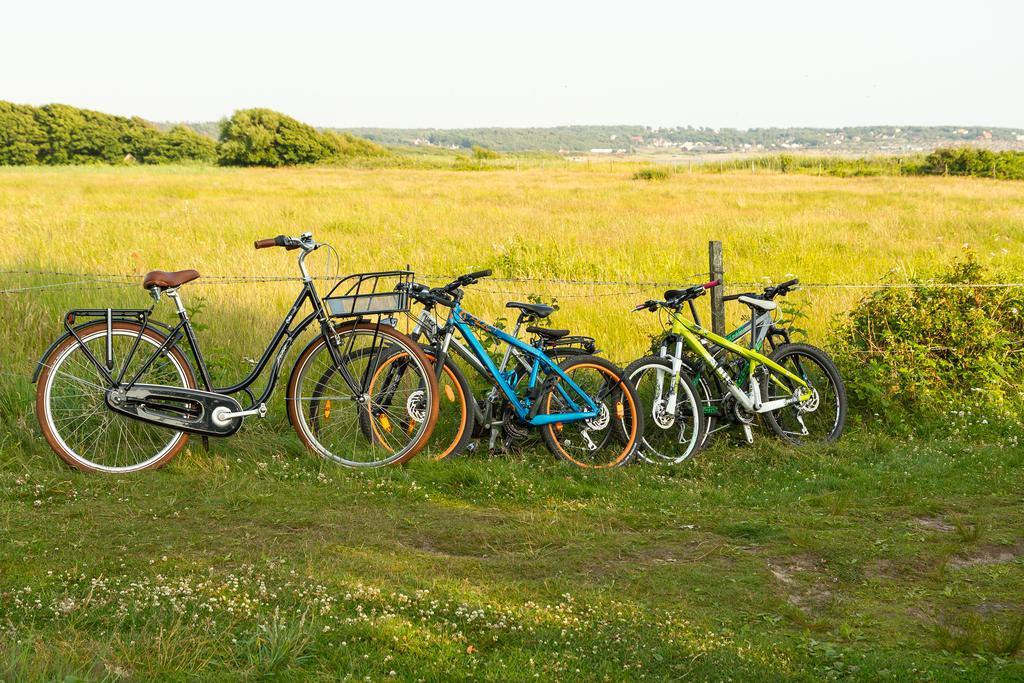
(583, 408)
(428, 326)
(280, 343)
(692, 333)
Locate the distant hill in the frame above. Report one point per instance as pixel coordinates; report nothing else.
(681, 139)
(867, 139)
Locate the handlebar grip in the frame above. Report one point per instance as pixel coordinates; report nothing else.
(479, 274)
(713, 283)
(789, 283)
(279, 241)
(731, 297)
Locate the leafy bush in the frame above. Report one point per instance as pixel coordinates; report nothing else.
(61, 134)
(484, 153)
(180, 144)
(262, 137)
(934, 347)
(21, 136)
(652, 174)
(970, 161)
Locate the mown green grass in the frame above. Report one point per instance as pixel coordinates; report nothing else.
(879, 559)
(883, 558)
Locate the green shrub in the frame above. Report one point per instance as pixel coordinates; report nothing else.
(970, 161)
(181, 143)
(61, 134)
(21, 136)
(931, 348)
(484, 153)
(652, 174)
(262, 137)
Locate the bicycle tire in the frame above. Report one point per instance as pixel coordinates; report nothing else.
(822, 359)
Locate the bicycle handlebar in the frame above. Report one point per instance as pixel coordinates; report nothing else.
(781, 289)
(279, 241)
(289, 243)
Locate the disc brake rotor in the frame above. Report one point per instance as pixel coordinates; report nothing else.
(661, 417)
(601, 421)
(416, 406)
(811, 404)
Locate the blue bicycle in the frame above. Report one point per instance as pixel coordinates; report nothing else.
(587, 413)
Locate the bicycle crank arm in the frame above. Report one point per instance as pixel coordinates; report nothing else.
(222, 417)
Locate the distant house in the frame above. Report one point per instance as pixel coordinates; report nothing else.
(601, 150)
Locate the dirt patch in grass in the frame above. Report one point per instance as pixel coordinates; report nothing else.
(804, 581)
(987, 555)
(934, 524)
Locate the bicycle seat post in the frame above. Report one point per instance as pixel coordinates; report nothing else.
(173, 295)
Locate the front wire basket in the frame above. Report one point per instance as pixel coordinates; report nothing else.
(364, 294)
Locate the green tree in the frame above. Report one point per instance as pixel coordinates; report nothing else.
(262, 137)
(181, 143)
(21, 137)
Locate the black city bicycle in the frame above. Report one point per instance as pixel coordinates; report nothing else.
(116, 393)
(462, 416)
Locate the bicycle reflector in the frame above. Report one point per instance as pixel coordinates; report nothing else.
(385, 422)
(327, 409)
(449, 393)
(620, 412)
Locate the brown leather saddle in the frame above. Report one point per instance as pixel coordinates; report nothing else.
(168, 279)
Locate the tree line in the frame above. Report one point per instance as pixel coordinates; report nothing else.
(59, 134)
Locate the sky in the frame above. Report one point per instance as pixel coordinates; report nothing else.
(451, 64)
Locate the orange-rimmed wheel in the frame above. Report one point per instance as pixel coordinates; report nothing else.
(456, 419)
(454, 426)
(608, 440)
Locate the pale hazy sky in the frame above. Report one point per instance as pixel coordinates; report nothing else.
(525, 63)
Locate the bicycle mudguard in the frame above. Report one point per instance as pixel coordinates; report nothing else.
(118, 315)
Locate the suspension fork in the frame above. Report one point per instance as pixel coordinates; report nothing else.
(673, 390)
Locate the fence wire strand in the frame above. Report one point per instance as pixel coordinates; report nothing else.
(95, 281)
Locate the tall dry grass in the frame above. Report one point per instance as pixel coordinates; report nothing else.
(589, 223)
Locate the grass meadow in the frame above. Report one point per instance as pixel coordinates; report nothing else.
(889, 556)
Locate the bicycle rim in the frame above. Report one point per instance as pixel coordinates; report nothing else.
(384, 424)
(74, 415)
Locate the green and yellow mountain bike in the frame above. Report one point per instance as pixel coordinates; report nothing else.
(796, 390)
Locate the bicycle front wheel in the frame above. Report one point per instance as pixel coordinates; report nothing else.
(672, 433)
(455, 417)
(377, 406)
(817, 419)
(71, 400)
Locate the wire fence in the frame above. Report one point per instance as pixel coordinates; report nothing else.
(94, 281)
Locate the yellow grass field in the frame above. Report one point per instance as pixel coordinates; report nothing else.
(587, 223)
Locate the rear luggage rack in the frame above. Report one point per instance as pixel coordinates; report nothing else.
(586, 344)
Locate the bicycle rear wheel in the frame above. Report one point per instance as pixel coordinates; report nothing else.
(71, 404)
(608, 440)
(390, 415)
(819, 419)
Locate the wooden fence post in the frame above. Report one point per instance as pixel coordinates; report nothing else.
(717, 268)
